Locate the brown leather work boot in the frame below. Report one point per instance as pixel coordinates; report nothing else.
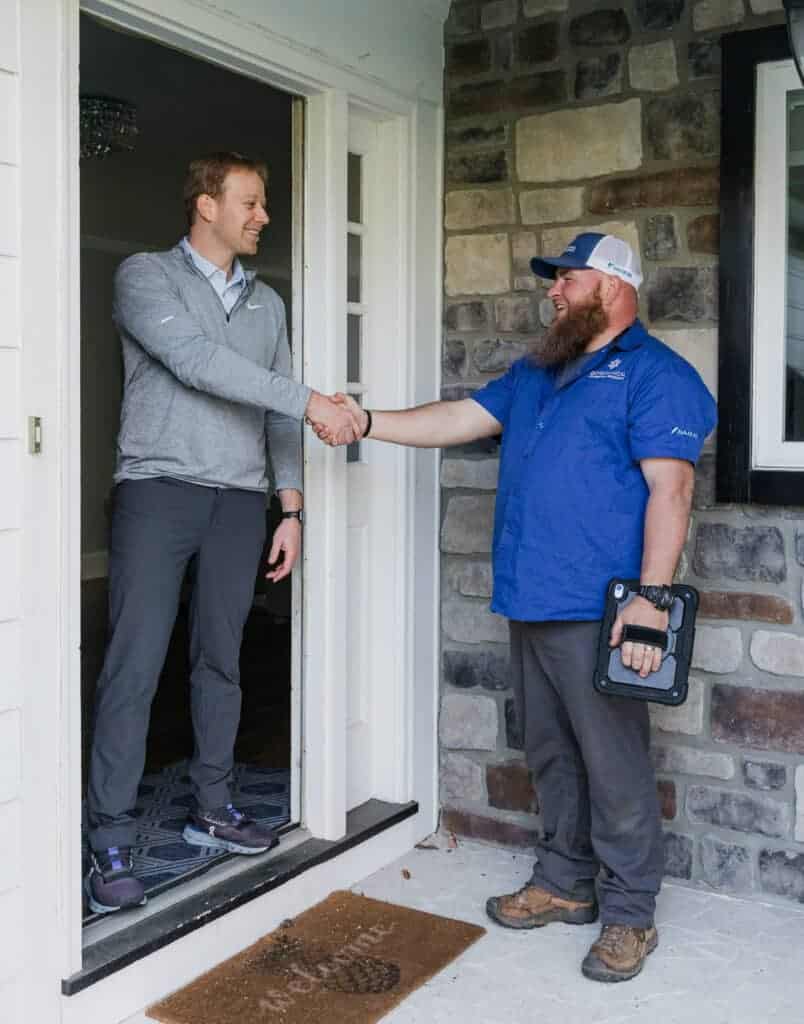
(619, 952)
(532, 907)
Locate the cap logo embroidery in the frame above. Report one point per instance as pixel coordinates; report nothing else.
(684, 433)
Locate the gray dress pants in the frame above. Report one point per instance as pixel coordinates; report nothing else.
(158, 525)
(590, 762)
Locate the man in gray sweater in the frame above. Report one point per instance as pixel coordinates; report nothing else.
(208, 399)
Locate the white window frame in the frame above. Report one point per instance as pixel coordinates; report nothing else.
(769, 450)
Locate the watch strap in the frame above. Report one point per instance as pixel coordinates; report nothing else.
(644, 635)
(293, 513)
(659, 595)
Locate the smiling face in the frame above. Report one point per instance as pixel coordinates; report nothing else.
(237, 215)
(575, 289)
(577, 297)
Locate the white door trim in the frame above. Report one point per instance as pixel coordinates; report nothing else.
(51, 339)
(325, 568)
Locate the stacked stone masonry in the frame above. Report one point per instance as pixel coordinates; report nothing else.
(564, 116)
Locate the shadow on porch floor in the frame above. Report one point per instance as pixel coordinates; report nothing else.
(720, 960)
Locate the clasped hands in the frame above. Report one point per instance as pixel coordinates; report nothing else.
(336, 420)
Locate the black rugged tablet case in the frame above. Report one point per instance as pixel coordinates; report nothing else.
(669, 684)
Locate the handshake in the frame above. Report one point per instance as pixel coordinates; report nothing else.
(336, 420)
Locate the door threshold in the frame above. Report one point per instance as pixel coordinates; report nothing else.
(207, 873)
(112, 953)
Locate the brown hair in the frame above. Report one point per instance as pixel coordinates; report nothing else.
(205, 177)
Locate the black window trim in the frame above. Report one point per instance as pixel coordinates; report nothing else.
(736, 481)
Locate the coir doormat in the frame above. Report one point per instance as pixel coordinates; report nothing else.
(348, 960)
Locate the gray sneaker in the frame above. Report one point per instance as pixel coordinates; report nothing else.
(110, 884)
(225, 828)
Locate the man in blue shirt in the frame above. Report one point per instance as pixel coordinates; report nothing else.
(601, 427)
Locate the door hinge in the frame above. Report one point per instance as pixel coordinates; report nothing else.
(35, 435)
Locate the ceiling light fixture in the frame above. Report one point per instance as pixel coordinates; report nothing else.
(794, 9)
(107, 126)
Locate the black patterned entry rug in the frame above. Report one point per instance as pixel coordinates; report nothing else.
(161, 857)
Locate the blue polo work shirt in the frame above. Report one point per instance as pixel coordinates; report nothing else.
(571, 495)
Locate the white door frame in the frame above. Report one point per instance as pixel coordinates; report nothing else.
(50, 46)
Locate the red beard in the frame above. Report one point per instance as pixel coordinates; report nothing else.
(569, 336)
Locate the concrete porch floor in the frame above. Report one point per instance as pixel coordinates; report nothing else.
(719, 961)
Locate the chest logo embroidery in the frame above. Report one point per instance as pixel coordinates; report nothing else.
(251, 305)
(607, 375)
(614, 364)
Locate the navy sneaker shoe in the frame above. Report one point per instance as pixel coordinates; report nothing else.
(225, 828)
(110, 884)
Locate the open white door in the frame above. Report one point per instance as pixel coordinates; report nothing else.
(375, 632)
(360, 170)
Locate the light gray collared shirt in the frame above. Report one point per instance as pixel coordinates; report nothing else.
(228, 289)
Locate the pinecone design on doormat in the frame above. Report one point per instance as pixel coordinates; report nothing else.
(338, 972)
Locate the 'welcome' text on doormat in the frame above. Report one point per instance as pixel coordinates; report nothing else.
(348, 959)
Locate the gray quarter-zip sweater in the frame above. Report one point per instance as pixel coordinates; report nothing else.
(207, 397)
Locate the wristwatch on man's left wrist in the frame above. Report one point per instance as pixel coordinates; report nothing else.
(293, 513)
(661, 597)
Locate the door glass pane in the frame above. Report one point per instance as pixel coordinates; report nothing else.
(354, 188)
(353, 450)
(354, 268)
(794, 410)
(353, 332)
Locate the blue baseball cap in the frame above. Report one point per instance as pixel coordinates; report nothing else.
(593, 251)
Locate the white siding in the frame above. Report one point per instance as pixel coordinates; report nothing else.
(11, 914)
(9, 199)
(11, 895)
(10, 666)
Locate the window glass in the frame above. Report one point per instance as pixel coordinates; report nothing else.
(794, 369)
(354, 188)
(354, 268)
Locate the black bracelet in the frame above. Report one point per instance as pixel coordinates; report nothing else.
(368, 422)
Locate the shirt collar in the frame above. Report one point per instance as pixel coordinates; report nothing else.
(209, 269)
(631, 337)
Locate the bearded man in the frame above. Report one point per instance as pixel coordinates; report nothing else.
(601, 427)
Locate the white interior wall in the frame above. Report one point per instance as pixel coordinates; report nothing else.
(11, 904)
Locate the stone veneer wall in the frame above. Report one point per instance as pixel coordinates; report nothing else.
(563, 115)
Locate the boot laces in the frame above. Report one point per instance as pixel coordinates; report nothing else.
(615, 936)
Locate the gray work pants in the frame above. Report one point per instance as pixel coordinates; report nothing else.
(158, 525)
(590, 762)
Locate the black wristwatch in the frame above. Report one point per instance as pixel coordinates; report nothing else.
(661, 597)
(294, 513)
